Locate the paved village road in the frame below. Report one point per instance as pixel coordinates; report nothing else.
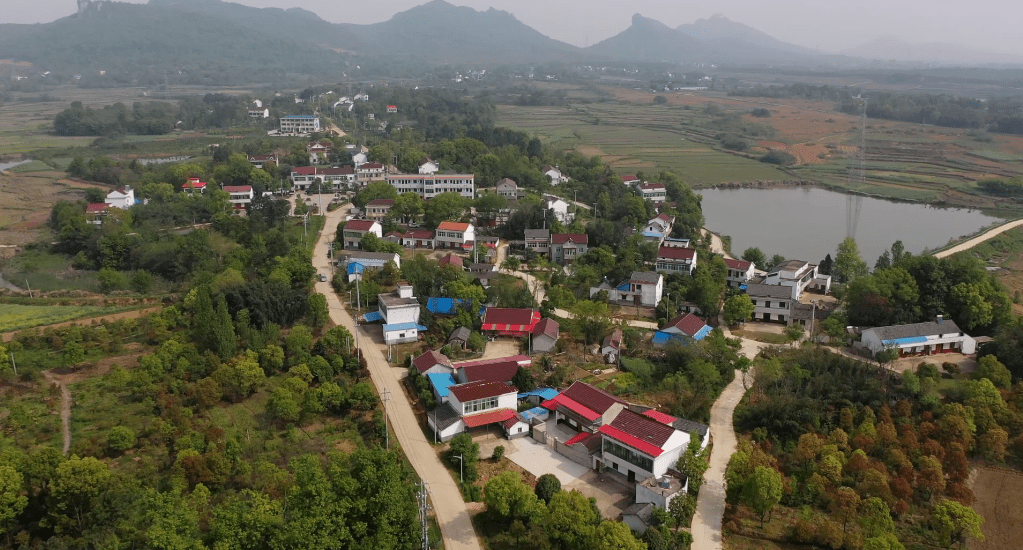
(452, 514)
(710, 506)
(966, 245)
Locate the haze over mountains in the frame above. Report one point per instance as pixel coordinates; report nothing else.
(210, 33)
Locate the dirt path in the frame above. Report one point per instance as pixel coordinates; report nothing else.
(65, 407)
(710, 506)
(979, 239)
(449, 507)
(133, 314)
(716, 245)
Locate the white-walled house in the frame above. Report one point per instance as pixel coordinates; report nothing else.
(428, 186)
(559, 207)
(771, 302)
(299, 124)
(654, 192)
(474, 405)
(455, 235)
(123, 197)
(538, 240)
(507, 188)
(800, 276)
(929, 338)
(240, 194)
(303, 176)
(643, 288)
(640, 447)
(355, 230)
(739, 272)
(428, 166)
(555, 175)
(400, 313)
(676, 260)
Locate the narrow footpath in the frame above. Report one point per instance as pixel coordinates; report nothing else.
(990, 234)
(452, 514)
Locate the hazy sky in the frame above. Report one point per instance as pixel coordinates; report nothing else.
(826, 24)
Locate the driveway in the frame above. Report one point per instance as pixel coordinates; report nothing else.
(612, 493)
(502, 347)
(539, 459)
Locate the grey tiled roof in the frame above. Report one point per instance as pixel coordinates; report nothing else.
(645, 277)
(769, 291)
(930, 328)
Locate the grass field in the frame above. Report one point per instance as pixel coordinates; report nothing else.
(16, 316)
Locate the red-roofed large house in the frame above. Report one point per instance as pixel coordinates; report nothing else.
(499, 371)
(655, 192)
(418, 238)
(318, 150)
(739, 272)
(474, 405)
(566, 247)
(240, 194)
(193, 185)
(433, 362)
(584, 407)
(355, 230)
(455, 235)
(96, 211)
(517, 322)
(676, 259)
(640, 447)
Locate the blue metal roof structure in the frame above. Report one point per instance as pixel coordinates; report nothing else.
(441, 382)
(355, 267)
(652, 234)
(702, 333)
(661, 338)
(402, 326)
(907, 340)
(373, 316)
(535, 412)
(543, 393)
(444, 306)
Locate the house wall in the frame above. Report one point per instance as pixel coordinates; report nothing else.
(450, 432)
(577, 453)
(543, 343)
(401, 314)
(963, 344)
(775, 312)
(651, 294)
(646, 494)
(519, 429)
(401, 336)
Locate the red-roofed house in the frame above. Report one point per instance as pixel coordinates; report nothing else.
(377, 209)
(96, 211)
(501, 371)
(451, 259)
(418, 238)
(676, 260)
(545, 336)
(688, 325)
(474, 405)
(260, 161)
(629, 179)
(517, 322)
(455, 235)
(611, 347)
(433, 362)
(640, 447)
(566, 247)
(318, 150)
(355, 230)
(392, 108)
(739, 272)
(654, 192)
(240, 194)
(584, 407)
(193, 185)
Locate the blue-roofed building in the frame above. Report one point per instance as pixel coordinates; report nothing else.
(930, 338)
(442, 306)
(440, 382)
(539, 395)
(684, 328)
(643, 288)
(536, 415)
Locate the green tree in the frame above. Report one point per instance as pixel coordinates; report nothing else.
(886, 541)
(794, 333)
(615, 535)
(408, 207)
(225, 341)
(509, 497)
(374, 190)
(955, 523)
(547, 486)
(681, 510)
(445, 206)
(318, 314)
(73, 354)
(738, 309)
(110, 280)
(991, 368)
(141, 281)
(571, 522)
(593, 320)
(12, 501)
(762, 491)
(120, 439)
(755, 256)
(848, 263)
(463, 445)
(75, 491)
(875, 518)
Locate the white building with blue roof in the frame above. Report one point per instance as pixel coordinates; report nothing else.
(400, 313)
(930, 338)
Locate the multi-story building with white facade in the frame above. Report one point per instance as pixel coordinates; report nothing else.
(370, 171)
(431, 185)
(640, 447)
(299, 124)
(566, 247)
(303, 176)
(770, 302)
(355, 230)
(643, 288)
(474, 405)
(739, 272)
(377, 209)
(538, 240)
(799, 276)
(123, 197)
(240, 194)
(676, 260)
(559, 207)
(654, 192)
(455, 235)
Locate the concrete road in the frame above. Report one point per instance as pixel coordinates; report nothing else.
(539, 459)
(979, 239)
(452, 514)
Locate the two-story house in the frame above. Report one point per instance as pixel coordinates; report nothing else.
(355, 230)
(657, 229)
(639, 447)
(507, 188)
(555, 175)
(559, 207)
(303, 176)
(400, 313)
(240, 194)
(318, 150)
(800, 276)
(370, 171)
(566, 247)
(377, 209)
(771, 302)
(455, 235)
(259, 161)
(739, 272)
(676, 260)
(583, 407)
(476, 405)
(428, 166)
(193, 186)
(538, 240)
(123, 197)
(643, 288)
(654, 192)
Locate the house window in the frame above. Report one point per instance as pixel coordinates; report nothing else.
(781, 304)
(767, 303)
(630, 456)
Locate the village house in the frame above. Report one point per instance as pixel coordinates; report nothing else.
(653, 192)
(554, 175)
(566, 247)
(770, 302)
(370, 171)
(459, 337)
(639, 447)
(400, 313)
(517, 322)
(428, 186)
(433, 362)
(928, 338)
(538, 240)
(477, 405)
(259, 112)
(451, 259)
(355, 230)
(428, 166)
(630, 179)
(303, 176)
(318, 150)
(611, 347)
(683, 328)
(259, 161)
(377, 209)
(357, 262)
(483, 271)
(123, 197)
(739, 272)
(240, 194)
(545, 336)
(455, 235)
(799, 276)
(96, 211)
(643, 288)
(418, 238)
(507, 188)
(583, 408)
(559, 207)
(299, 124)
(193, 185)
(676, 260)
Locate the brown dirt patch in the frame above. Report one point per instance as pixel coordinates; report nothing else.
(134, 314)
(771, 144)
(25, 202)
(996, 490)
(809, 154)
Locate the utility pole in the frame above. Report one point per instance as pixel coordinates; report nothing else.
(358, 293)
(386, 396)
(461, 475)
(424, 508)
(13, 364)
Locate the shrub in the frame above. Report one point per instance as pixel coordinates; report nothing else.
(760, 112)
(780, 158)
(498, 452)
(120, 439)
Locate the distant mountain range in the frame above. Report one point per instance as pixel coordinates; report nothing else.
(890, 48)
(240, 41)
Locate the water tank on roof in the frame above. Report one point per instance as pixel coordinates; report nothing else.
(665, 482)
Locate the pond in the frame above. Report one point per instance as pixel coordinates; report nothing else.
(808, 223)
(9, 165)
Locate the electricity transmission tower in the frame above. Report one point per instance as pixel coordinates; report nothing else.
(853, 203)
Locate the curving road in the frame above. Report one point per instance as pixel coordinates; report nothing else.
(452, 514)
(966, 245)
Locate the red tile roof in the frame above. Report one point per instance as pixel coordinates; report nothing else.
(579, 438)
(237, 188)
(359, 225)
(344, 170)
(513, 319)
(429, 359)
(452, 226)
(591, 397)
(547, 327)
(522, 360)
(629, 177)
(419, 234)
(511, 422)
(664, 217)
(304, 170)
(632, 441)
(95, 207)
(688, 323)
(371, 166)
(741, 265)
(489, 417)
(479, 390)
(572, 405)
(665, 419)
(639, 431)
(614, 339)
(493, 372)
(562, 238)
(381, 202)
(451, 259)
(676, 253)
(652, 186)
